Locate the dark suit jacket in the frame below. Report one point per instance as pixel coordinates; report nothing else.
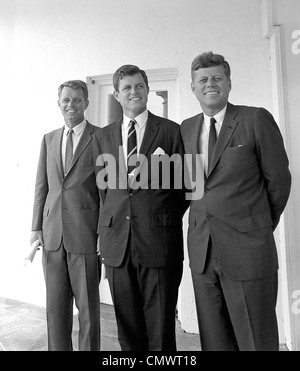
(154, 216)
(244, 194)
(67, 207)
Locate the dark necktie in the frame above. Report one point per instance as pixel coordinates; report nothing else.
(211, 142)
(69, 151)
(131, 144)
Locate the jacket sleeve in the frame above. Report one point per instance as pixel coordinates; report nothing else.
(41, 189)
(273, 161)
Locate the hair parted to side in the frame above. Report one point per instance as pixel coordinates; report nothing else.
(209, 59)
(75, 84)
(127, 70)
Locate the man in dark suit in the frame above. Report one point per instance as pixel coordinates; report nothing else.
(231, 247)
(65, 219)
(140, 225)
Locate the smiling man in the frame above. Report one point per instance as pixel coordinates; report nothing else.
(65, 218)
(141, 238)
(231, 247)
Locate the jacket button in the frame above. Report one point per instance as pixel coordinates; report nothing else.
(130, 194)
(128, 217)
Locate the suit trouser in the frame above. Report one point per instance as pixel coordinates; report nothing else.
(145, 302)
(70, 276)
(235, 315)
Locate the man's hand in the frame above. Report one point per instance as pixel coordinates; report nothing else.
(37, 235)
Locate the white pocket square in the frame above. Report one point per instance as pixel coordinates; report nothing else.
(158, 151)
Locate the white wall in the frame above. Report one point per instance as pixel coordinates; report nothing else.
(57, 40)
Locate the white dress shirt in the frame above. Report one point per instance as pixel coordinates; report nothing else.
(204, 136)
(76, 135)
(140, 130)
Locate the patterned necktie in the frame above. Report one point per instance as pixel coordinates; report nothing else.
(131, 144)
(211, 142)
(69, 151)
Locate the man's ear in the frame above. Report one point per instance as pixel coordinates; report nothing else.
(192, 87)
(87, 102)
(229, 83)
(116, 96)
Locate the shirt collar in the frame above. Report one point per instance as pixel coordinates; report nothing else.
(141, 120)
(219, 117)
(78, 129)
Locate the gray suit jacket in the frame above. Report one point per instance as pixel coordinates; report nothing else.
(244, 194)
(67, 207)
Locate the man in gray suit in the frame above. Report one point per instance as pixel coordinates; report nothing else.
(231, 247)
(65, 218)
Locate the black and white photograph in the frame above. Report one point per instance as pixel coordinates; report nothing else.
(150, 175)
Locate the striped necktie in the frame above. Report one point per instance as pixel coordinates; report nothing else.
(131, 144)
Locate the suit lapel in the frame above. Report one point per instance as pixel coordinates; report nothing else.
(116, 140)
(195, 134)
(226, 132)
(152, 128)
(192, 145)
(117, 150)
(57, 150)
(83, 142)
